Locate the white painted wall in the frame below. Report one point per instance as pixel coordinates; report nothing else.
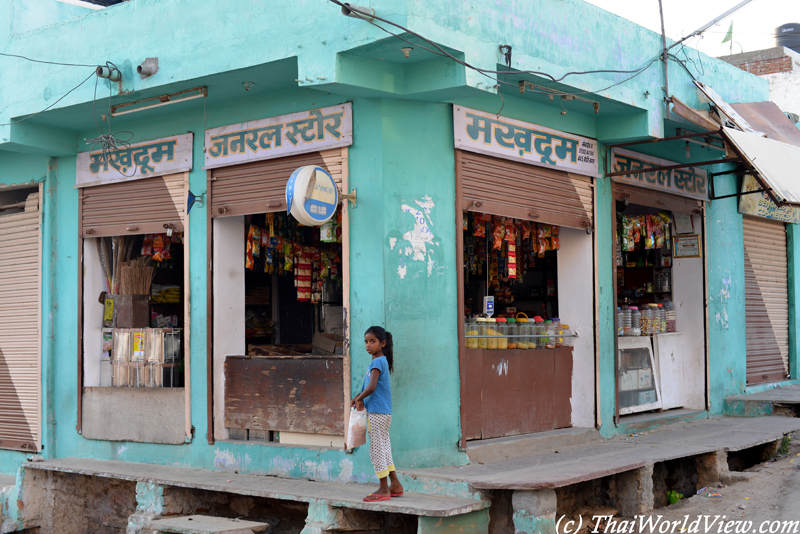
(229, 311)
(93, 285)
(576, 308)
(784, 90)
(688, 296)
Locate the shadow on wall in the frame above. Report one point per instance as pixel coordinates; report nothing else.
(15, 432)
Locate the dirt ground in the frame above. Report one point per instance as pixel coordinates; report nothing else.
(764, 494)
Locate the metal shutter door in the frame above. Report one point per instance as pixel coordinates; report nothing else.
(20, 367)
(500, 187)
(766, 302)
(260, 187)
(137, 207)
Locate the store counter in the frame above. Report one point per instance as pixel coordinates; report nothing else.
(516, 391)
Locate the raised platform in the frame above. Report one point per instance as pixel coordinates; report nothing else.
(597, 459)
(488, 450)
(762, 403)
(331, 493)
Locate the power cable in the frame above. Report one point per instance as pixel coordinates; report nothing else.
(51, 105)
(48, 62)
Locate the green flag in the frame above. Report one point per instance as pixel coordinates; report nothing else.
(729, 35)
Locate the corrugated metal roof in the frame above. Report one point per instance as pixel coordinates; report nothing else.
(774, 164)
(767, 117)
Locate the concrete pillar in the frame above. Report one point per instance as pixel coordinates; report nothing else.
(149, 506)
(709, 467)
(323, 518)
(472, 523)
(534, 511)
(635, 491)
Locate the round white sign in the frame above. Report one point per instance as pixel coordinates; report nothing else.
(312, 195)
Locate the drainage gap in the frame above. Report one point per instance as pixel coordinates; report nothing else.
(747, 458)
(678, 475)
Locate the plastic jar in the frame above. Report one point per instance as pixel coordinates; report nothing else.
(512, 333)
(471, 329)
(557, 331)
(483, 330)
(669, 313)
(550, 330)
(569, 341)
(524, 328)
(662, 319)
(655, 324)
(538, 330)
(636, 321)
(502, 333)
(626, 321)
(491, 331)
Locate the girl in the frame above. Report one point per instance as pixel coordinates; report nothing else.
(376, 396)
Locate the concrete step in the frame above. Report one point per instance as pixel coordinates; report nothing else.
(203, 524)
(776, 401)
(489, 450)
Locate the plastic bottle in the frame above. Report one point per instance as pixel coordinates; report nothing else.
(636, 321)
(557, 331)
(538, 330)
(483, 330)
(569, 341)
(471, 329)
(491, 330)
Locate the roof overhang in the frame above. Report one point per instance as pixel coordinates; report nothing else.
(773, 164)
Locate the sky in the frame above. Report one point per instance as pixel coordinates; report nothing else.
(753, 25)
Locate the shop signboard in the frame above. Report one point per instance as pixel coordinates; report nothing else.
(690, 182)
(167, 155)
(275, 137)
(760, 205)
(311, 195)
(493, 135)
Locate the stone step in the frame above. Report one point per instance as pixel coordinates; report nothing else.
(204, 524)
(776, 401)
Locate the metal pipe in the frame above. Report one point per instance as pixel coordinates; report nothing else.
(18, 205)
(707, 25)
(670, 167)
(664, 61)
(673, 138)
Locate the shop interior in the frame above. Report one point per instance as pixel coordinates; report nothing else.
(133, 291)
(541, 278)
(278, 294)
(660, 314)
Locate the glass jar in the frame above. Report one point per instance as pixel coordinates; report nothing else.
(635, 321)
(491, 331)
(512, 333)
(471, 329)
(557, 331)
(483, 330)
(524, 328)
(550, 330)
(502, 333)
(538, 330)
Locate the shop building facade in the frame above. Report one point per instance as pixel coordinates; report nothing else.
(208, 174)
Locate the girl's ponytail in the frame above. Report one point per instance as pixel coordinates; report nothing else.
(388, 350)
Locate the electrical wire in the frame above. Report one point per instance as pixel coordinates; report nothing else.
(48, 62)
(444, 52)
(488, 73)
(108, 141)
(51, 105)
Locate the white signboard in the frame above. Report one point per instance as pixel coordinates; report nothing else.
(286, 135)
(485, 133)
(147, 159)
(686, 182)
(311, 195)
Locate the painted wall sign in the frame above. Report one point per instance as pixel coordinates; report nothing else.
(148, 159)
(275, 137)
(689, 182)
(485, 133)
(311, 195)
(760, 205)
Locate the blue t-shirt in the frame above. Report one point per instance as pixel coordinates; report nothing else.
(380, 401)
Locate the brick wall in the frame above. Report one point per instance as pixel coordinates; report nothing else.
(767, 66)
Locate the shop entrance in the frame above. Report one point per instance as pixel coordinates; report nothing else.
(660, 291)
(528, 366)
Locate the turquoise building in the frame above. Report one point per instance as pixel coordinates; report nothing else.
(149, 126)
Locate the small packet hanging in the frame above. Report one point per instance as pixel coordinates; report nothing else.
(287, 259)
(548, 231)
(147, 245)
(555, 244)
(498, 232)
(256, 239)
(158, 247)
(650, 229)
(511, 231)
(526, 230)
(542, 247)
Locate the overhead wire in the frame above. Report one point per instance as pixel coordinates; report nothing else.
(109, 142)
(47, 62)
(51, 105)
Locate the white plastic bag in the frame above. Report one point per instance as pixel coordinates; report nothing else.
(356, 429)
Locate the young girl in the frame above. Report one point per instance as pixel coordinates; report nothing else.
(376, 396)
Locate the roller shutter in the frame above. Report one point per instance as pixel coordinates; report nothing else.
(766, 302)
(20, 316)
(510, 189)
(260, 187)
(136, 207)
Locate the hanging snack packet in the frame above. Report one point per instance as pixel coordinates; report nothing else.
(548, 230)
(158, 247)
(526, 229)
(498, 231)
(269, 266)
(256, 240)
(555, 244)
(287, 257)
(650, 231)
(147, 245)
(542, 247)
(511, 231)
(512, 260)
(465, 221)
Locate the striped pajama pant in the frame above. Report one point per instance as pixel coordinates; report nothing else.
(380, 448)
